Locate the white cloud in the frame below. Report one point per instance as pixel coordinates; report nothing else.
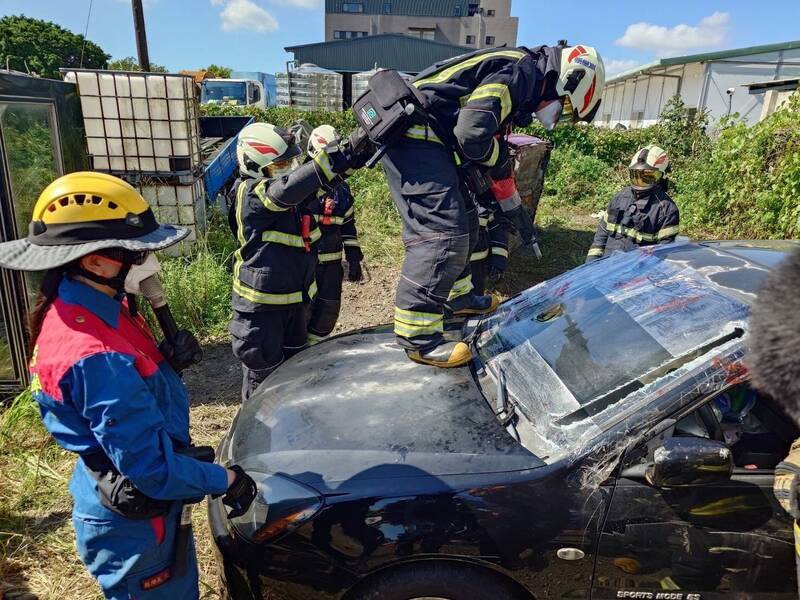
(241, 15)
(300, 3)
(664, 41)
(617, 66)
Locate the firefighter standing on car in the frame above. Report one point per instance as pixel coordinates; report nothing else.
(335, 214)
(275, 265)
(106, 391)
(473, 98)
(642, 214)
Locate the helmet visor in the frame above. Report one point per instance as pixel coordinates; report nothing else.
(279, 168)
(644, 179)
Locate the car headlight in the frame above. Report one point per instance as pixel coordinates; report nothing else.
(281, 506)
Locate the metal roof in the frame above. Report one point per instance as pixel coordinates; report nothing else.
(759, 87)
(705, 57)
(414, 8)
(388, 50)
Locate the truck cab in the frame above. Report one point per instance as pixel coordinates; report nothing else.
(233, 92)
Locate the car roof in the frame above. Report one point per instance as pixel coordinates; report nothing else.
(739, 267)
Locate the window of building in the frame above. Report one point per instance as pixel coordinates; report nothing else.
(348, 35)
(490, 40)
(387, 8)
(422, 33)
(353, 7)
(490, 12)
(457, 11)
(470, 40)
(473, 8)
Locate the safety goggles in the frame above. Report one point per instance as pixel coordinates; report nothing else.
(643, 179)
(279, 168)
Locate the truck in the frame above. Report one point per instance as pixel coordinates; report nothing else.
(242, 88)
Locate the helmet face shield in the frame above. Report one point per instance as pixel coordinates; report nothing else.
(279, 168)
(645, 179)
(550, 113)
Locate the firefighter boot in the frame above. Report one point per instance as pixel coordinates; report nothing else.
(446, 355)
(477, 305)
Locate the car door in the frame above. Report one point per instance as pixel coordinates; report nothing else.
(700, 541)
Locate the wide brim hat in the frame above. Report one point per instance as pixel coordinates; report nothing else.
(81, 213)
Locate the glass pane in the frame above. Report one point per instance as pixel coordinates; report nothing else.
(29, 140)
(6, 368)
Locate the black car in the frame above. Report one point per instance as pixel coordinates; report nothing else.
(603, 444)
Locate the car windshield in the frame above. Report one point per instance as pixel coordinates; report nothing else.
(233, 92)
(572, 348)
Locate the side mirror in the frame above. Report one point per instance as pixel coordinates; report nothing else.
(690, 461)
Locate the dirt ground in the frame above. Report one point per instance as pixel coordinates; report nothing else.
(37, 548)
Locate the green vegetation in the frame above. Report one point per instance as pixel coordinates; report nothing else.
(129, 63)
(42, 47)
(216, 71)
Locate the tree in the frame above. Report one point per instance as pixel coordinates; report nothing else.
(42, 47)
(216, 71)
(129, 63)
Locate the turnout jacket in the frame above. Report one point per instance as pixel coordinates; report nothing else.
(630, 222)
(476, 95)
(275, 264)
(334, 212)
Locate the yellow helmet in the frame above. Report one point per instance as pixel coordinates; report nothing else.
(84, 212)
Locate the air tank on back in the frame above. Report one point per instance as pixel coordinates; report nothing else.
(360, 80)
(310, 87)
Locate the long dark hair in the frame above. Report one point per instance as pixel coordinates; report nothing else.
(48, 292)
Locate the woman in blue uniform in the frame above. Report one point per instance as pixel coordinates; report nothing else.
(106, 391)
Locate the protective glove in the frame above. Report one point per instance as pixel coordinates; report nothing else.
(495, 274)
(787, 476)
(183, 352)
(354, 272)
(240, 494)
(521, 221)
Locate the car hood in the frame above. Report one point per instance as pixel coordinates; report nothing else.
(356, 406)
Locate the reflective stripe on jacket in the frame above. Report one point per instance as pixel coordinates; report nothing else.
(275, 263)
(476, 94)
(630, 222)
(335, 215)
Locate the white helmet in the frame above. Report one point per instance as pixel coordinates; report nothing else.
(263, 144)
(321, 137)
(582, 77)
(647, 167)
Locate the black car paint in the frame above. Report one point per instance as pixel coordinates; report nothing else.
(394, 500)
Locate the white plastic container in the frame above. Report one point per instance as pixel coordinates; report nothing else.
(310, 88)
(144, 123)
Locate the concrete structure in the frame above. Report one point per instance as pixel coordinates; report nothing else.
(776, 92)
(711, 81)
(472, 23)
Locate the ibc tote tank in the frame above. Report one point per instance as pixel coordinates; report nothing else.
(310, 87)
(360, 80)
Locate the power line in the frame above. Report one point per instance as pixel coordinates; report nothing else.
(86, 31)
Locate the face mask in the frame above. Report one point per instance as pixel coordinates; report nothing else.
(548, 115)
(139, 273)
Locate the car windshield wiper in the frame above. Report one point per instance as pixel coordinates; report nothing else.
(504, 409)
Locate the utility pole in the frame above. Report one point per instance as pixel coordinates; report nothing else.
(141, 35)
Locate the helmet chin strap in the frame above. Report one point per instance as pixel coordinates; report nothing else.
(117, 283)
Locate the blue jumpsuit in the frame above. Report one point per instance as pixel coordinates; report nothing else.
(103, 387)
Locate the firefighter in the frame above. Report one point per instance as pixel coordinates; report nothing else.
(471, 99)
(275, 265)
(774, 362)
(106, 391)
(489, 258)
(334, 212)
(642, 214)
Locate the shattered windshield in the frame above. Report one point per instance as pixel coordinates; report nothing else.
(573, 348)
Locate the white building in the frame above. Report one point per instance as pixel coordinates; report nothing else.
(714, 81)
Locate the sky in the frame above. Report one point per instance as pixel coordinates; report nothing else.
(250, 35)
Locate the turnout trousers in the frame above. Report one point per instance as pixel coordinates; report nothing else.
(439, 230)
(263, 340)
(326, 305)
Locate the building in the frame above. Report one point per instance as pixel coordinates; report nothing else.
(776, 92)
(713, 81)
(471, 23)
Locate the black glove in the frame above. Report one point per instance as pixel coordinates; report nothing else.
(240, 494)
(495, 274)
(504, 167)
(183, 352)
(359, 149)
(354, 272)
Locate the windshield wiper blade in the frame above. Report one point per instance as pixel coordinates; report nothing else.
(504, 410)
